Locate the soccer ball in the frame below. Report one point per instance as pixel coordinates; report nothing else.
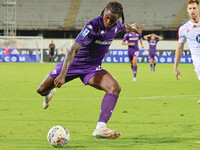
(58, 136)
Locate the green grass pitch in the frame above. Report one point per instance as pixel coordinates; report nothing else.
(155, 113)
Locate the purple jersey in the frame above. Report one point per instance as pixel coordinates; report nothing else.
(152, 45)
(132, 38)
(95, 40)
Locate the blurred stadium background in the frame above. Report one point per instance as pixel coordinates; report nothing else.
(156, 112)
(36, 23)
(65, 18)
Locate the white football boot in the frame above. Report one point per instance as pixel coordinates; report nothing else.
(153, 69)
(106, 133)
(47, 98)
(134, 79)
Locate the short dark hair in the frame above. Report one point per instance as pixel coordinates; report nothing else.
(192, 1)
(115, 8)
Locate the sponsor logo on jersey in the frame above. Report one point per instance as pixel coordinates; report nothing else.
(198, 38)
(196, 26)
(85, 33)
(152, 43)
(103, 42)
(133, 38)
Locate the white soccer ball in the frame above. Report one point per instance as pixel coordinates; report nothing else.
(58, 136)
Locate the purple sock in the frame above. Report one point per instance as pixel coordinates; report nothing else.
(107, 107)
(134, 71)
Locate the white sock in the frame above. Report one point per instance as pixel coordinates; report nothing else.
(101, 125)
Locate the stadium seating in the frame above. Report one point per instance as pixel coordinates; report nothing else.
(152, 13)
(42, 13)
(53, 14)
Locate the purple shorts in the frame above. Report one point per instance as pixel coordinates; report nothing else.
(152, 55)
(132, 54)
(72, 73)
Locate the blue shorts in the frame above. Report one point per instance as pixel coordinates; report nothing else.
(72, 73)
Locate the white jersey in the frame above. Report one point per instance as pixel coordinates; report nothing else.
(190, 32)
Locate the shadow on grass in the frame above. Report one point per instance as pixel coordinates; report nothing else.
(157, 140)
(50, 147)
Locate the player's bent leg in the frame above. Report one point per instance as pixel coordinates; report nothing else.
(151, 64)
(47, 98)
(49, 58)
(47, 89)
(154, 64)
(106, 82)
(46, 85)
(134, 62)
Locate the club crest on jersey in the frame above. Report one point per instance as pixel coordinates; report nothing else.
(85, 33)
(198, 38)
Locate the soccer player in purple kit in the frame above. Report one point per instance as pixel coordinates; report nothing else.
(152, 40)
(133, 49)
(83, 60)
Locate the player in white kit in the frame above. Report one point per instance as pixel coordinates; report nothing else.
(190, 32)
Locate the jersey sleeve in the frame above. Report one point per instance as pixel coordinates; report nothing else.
(125, 37)
(122, 27)
(182, 38)
(87, 34)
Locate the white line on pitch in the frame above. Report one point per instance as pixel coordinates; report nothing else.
(153, 97)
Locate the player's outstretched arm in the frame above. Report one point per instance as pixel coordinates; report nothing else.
(179, 52)
(130, 44)
(138, 30)
(147, 36)
(69, 58)
(141, 43)
(159, 37)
